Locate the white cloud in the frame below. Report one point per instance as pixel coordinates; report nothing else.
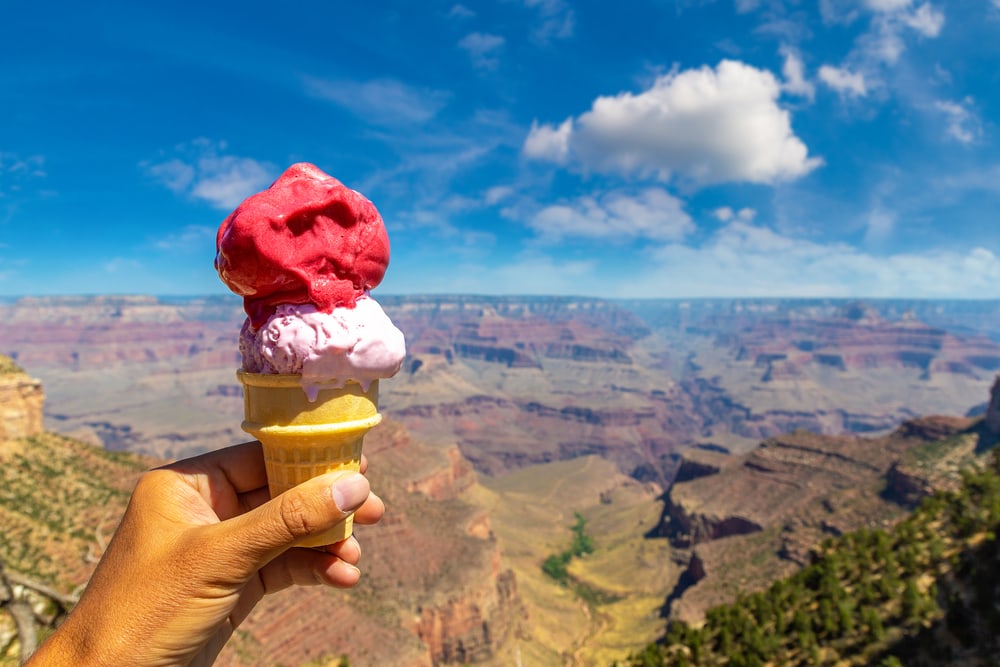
(838, 12)
(225, 181)
(702, 125)
(887, 5)
(961, 124)
(739, 260)
(387, 102)
(744, 260)
(843, 81)
(174, 174)
(497, 194)
(881, 46)
(204, 173)
(880, 225)
(794, 73)
(726, 214)
(883, 43)
(460, 11)
(482, 48)
(926, 20)
(652, 214)
(557, 19)
(549, 143)
(191, 237)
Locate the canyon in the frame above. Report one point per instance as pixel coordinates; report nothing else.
(632, 382)
(676, 399)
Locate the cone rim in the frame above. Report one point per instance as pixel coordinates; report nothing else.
(291, 379)
(319, 428)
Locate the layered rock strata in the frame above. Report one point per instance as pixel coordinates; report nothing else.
(761, 514)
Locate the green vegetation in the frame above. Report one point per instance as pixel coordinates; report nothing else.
(8, 367)
(58, 499)
(556, 565)
(925, 592)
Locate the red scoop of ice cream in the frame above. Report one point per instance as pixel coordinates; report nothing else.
(306, 239)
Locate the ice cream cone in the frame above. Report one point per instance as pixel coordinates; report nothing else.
(303, 438)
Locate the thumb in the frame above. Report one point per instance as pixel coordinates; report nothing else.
(312, 507)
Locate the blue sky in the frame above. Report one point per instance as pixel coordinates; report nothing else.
(627, 149)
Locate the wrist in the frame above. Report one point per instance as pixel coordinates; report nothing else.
(78, 641)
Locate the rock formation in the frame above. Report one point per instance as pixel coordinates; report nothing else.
(760, 515)
(993, 408)
(468, 627)
(21, 401)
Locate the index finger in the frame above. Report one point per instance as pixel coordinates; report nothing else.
(242, 465)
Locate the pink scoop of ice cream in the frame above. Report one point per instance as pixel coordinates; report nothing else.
(326, 349)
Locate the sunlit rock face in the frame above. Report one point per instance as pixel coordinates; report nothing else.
(21, 401)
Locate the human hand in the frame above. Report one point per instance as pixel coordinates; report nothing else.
(200, 544)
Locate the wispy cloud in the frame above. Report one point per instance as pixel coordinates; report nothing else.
(726, 214)
(926, 20)
(885, 40)
(704, 126)
(418, 188)
(482, 49)
(880, 225)
(794, 72)
(16, 171)
(845, 82)
(886, 5)
(557, 19)
(387, 102)
(190, 238)
(202, 171)
(961, 123)
(121, 265)
(460, 11)
(739, 260)
(615, 216)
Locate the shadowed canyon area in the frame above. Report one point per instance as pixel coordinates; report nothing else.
(705, 447)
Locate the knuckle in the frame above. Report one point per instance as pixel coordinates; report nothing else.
(296, 516)
(149, 486)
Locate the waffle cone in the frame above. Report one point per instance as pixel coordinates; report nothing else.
(303, 438)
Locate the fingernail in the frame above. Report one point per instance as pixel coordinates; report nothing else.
(350, 492)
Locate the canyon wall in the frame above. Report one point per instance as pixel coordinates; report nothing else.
(739, 522)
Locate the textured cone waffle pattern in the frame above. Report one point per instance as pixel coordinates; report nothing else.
(302, 438)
